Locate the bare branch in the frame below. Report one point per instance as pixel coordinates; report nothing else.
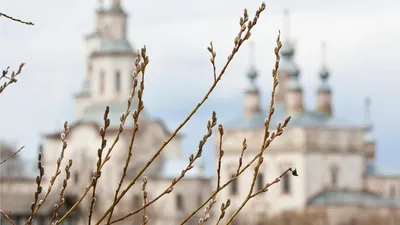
(15, 153)
(15, 19)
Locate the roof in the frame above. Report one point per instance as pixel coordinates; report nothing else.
(92, 35)
(114, 46)
(112, 10)
(95, 113)
(20, 203)
(172, 168)
(306, 119)
(352, 198)
(373, 171)
(94, 116)
(287, 62)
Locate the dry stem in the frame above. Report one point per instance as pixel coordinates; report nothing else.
(224, 206)
(192, 158)
(123, 119)
(61, 200)
(239, 40)
(15, 19)
(221, 153)
(139, 68)
(96, 175)
(11, 79)
(7, 217)
(266, 141)
(15, 153)
(35, 207)
(145, 218)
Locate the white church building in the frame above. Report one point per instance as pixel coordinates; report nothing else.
(335, 158)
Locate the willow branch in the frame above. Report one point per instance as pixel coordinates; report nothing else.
(16, 19)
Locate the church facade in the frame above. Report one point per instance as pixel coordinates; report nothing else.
(335, 158)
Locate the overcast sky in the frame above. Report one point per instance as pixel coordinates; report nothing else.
(362, 51)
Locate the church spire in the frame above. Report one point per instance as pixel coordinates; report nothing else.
(369, 142)
(252, 74)
(287, 46)
(367, 120)
(252, 95)
(289, 91)
(324, 72)
(324, 92)
(288, 71)
(101, 4)
(286, 24)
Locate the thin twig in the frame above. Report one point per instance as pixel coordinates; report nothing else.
(266, 141)
(244, 147)
(15, 19)
(123, 120)
(145, 218)
(265, 189)
(61, 200)
(96, 175)
(38, 189)
(141, 68)
(239, 40)
(7, 217)
(11, 79)
(212, 60)
(207, 211)
(12, 155)
(36, 207)
(277, 180)
(224, 206)
(192, 159)
(221, 153)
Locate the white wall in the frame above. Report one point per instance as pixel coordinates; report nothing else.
(110, 65)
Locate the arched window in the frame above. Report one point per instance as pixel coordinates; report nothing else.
(234, 186)
(334, 176)
(392, 191)
(102, 82)
(260, 181)
(286, 187)
(118, 81)
(179, 202)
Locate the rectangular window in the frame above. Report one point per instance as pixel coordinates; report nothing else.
(286, 186)
(179, 202)
(137, 202)
(334, 176)
(234, 186)
(260, 181)
(102, 82)
(118, 81)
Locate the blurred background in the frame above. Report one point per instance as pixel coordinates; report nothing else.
(362, 55)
